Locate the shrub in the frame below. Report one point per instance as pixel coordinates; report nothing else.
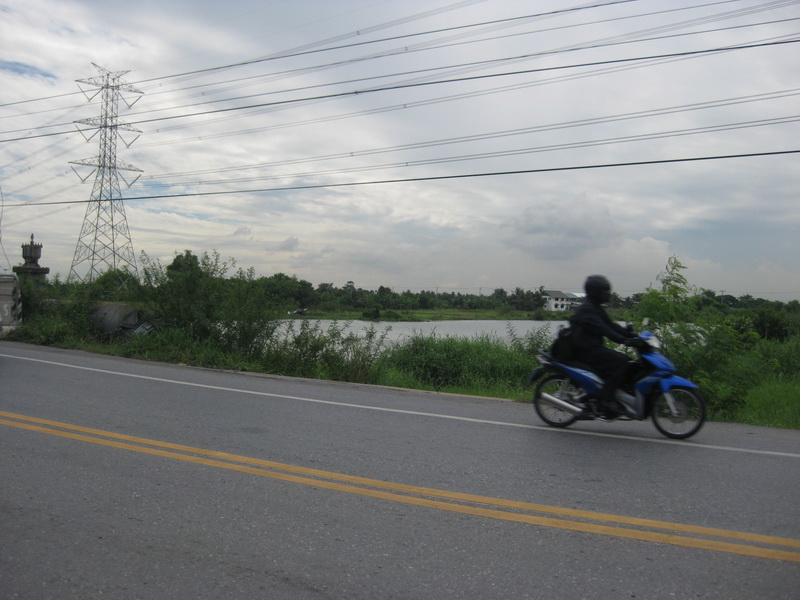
(306, 349)
(533, 341)
(354, 358)
(56, 326)
(245, 323)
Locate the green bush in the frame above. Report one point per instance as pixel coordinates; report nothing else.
(55, 323)
(731, 355)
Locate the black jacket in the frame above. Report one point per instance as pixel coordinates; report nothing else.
(591, 324)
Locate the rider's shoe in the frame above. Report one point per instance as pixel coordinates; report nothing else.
(610, 409)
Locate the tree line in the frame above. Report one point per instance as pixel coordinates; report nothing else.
(191, 286)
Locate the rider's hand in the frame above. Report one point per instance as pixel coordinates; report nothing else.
(638, 343)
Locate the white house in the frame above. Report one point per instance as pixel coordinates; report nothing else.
(557, 300)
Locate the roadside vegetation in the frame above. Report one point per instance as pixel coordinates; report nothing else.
(204, 311)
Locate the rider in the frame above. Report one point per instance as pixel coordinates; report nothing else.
(591, 324)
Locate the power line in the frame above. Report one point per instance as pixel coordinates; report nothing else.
(487, 155)
(310, 48)
(443, 177)
(508, 133)
(495, 135)
(289, 54)
(405, 105)
(491, 75)
(426, 47)
(180, 116)
(476, 77)
(428, 70)
(305, 51)
(301, 51)
(395, 87)
(618, 39)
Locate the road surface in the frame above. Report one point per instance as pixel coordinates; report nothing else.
(129, 479)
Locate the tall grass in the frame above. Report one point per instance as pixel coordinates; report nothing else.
(772, 403)
(291, 348)
(306, 349)
(483, 364)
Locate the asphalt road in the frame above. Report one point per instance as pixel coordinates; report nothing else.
(127, 479)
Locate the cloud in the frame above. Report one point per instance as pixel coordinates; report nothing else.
(735, 222)
(562, 230)
(290, 244)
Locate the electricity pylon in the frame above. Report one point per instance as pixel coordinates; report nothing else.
(105, 242)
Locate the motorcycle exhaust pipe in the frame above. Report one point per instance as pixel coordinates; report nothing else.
(559, 403)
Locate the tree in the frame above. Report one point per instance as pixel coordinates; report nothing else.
(668, 309)
(187, 293)
(668, 304)
(385, 298)
(283, 289)
(500, 294)
(526, 300)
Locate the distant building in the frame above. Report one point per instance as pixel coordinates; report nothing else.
(557, 300)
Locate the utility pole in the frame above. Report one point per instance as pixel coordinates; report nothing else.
(105, 242)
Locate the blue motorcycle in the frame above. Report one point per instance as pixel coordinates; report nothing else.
(568, 391)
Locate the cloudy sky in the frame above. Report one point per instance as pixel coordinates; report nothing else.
(439, 144)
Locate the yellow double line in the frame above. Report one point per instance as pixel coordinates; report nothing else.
(690, 536)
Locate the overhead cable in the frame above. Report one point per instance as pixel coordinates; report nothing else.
(440, 177)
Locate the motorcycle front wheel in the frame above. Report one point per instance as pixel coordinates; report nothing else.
(689, 415)
(560, 387)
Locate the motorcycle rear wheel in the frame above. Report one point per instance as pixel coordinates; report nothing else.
(558, 386)
(691, 413)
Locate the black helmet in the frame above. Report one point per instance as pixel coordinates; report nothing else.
(598, 289)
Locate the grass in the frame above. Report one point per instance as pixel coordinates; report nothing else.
(775, 403)
(466, 363)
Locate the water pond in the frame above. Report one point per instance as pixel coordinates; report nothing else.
(463, 329)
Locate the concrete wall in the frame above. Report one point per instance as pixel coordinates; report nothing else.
(10, 303)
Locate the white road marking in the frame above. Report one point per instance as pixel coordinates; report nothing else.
(681, 443)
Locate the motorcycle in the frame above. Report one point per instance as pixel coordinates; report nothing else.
(569, 392)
